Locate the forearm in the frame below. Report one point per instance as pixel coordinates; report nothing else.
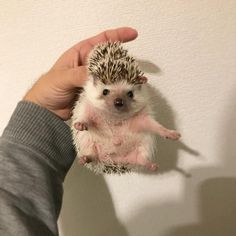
(35, 154)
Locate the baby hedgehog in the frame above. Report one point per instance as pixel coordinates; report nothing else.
(113, 125)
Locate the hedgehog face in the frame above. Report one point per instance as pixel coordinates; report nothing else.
(119, 100)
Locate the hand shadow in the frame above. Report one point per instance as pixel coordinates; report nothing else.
(217, 209)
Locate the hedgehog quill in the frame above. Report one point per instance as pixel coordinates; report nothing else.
(113, 125)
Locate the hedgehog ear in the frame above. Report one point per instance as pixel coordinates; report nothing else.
(141, 80)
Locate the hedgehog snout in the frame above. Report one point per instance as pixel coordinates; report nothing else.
(118, 103)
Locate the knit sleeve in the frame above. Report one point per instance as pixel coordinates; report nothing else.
(36, 152)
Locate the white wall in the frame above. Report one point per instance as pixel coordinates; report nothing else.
(188, 50)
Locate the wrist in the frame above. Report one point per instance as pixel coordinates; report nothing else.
(30, 97)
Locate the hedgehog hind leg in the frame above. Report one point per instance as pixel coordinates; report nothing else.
(88, 153)
(137, 157)
(85, 159)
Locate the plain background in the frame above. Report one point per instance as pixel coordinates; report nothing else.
(187, 48)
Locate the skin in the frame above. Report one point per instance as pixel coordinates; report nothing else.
(56, 90)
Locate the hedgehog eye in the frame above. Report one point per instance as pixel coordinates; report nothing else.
(106, 92)
(130, 94)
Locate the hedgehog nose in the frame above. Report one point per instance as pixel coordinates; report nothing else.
(118, 102)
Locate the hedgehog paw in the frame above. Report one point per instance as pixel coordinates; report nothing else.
(172, 134)
(152, 166)
(84, 159)
(80, 126)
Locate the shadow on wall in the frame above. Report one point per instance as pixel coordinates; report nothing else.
(210, 193)
(217, 196)
(215, 203)
(167, 150)
(148, 67)
(87, 205)
(217, 210)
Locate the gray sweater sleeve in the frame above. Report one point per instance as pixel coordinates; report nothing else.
(36, 152)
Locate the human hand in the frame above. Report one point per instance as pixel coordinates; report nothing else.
(57, 89)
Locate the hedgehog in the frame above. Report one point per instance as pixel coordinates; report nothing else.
(113, 125)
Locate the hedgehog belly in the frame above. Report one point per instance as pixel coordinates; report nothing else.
(119, 142)
(102, 148)
(116, 146)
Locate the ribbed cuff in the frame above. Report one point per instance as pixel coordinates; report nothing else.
(44, 133)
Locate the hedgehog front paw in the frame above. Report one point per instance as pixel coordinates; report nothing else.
(172, 134)
(84, 159)
(80, 126)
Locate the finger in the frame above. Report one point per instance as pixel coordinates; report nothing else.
(76, 56)
(123, 34)
(72, 78)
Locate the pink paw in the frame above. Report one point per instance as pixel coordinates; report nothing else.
(172, 134)
(83, 160)
(152, 166)
(80, 126)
